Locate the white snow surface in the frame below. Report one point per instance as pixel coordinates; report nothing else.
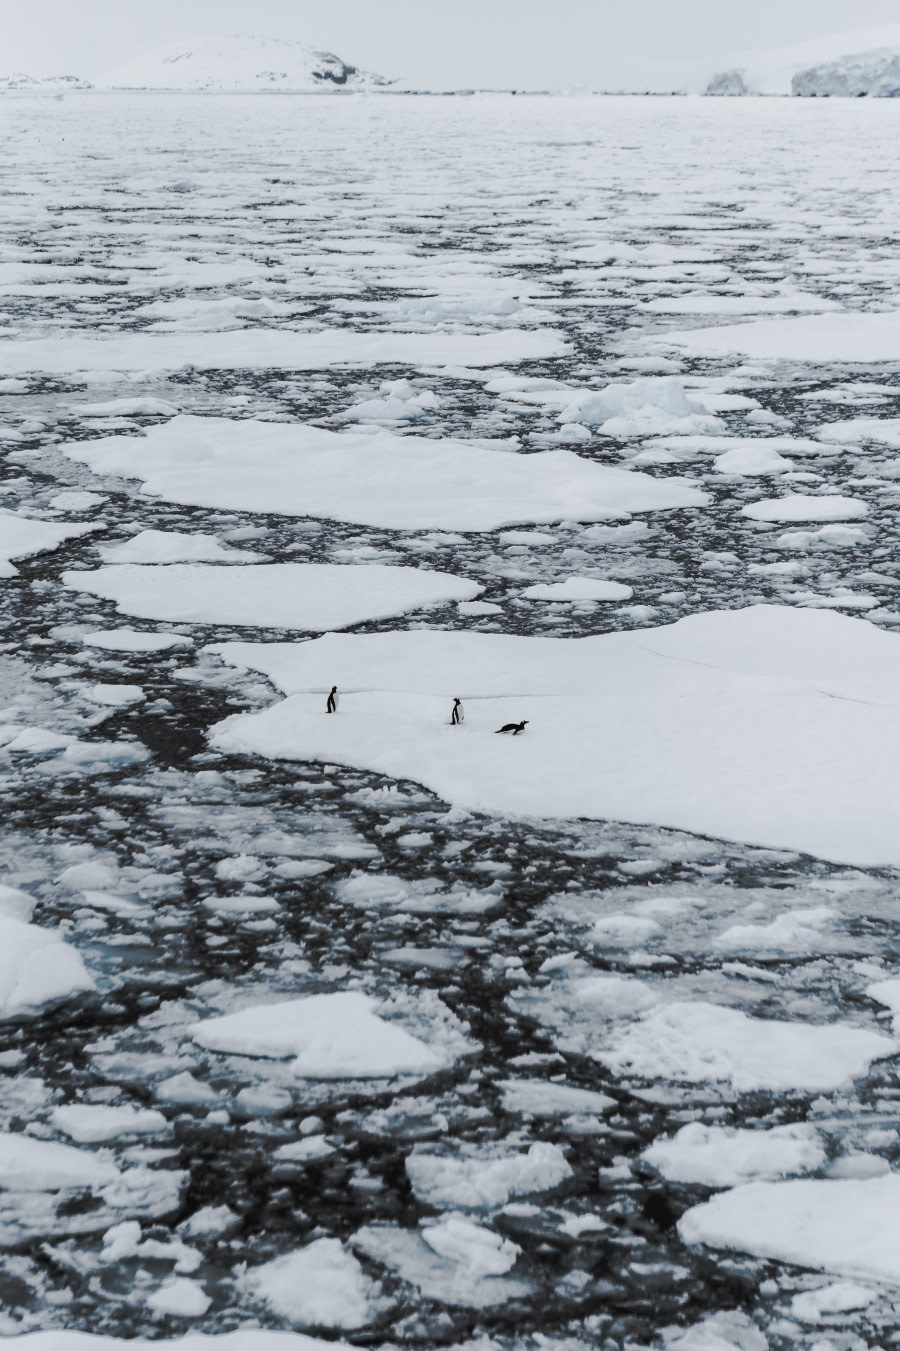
(312, 596)
(21, 537)
(719, 1156)
(329, 1036)
(240, 62)
(281, 349)
(645, 727)
(387, 480)
(845, 1227)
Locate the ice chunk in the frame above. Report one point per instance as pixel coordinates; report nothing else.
(539, 1097)
(21, 537)
(804, 507)
(37, 968)
(91, 1124)
(848, 1228)
(321, 1285)
(646, 407)
(181, 1297)
(484, 1181)
(578, 588)
(718, 1156)
(133, 640)
(328, 1036)
(172, 546)
(693, 1043)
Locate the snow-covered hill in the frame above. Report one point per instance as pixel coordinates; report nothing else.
(240, 63)
(876, 74)
(20, 83)
(839, 64)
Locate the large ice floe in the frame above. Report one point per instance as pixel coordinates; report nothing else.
(848, 1227)
(257, 348)
(382, 479)
(851, 338)
(248, 1339)
(770, 724)
(21, 537)
(311, 596)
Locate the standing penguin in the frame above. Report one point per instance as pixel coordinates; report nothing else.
(332, 705)
(457, 716)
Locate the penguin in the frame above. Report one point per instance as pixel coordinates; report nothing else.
(514, 727)
(457, 716)
(333, 699)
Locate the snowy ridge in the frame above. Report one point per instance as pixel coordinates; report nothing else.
(241, 63)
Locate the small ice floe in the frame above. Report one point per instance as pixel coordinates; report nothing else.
(806, 507)
(720, 1156)
(650, 406)
(134, 640)
(578, 588)
(547, 1098)
(21, 537)
(327, 1036)
(319, 1286)
(386, 480)
(115, 696)
(39, 1177)
(854, 430)
(821, 1304)
(698, 1042)
(73, 500)
(399, 401)
(848, 1228)
(173, 546)
(180, 1297)
(454, 1261)
(794, 931)
(728, 1330)
(311, 596)
(94, 1123)
(487, 1180)
(140, 407)
(37, 967)
(752, 460)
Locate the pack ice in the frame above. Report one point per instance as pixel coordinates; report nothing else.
(385, 480)
(774, 725)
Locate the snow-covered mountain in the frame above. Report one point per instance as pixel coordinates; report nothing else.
(241, 63)
(863, 61)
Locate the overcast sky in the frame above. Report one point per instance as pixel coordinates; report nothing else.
(532, 43)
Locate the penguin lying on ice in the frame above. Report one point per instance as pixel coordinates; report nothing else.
(457, 716)
(333, 698)
(514, 727)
